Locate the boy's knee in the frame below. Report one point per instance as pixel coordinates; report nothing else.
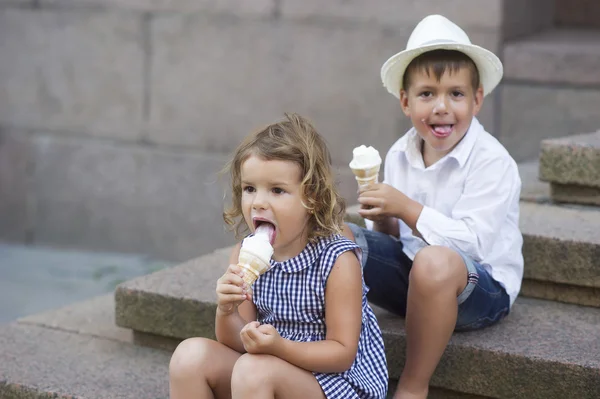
(252, 372)
(190, 356)
(435, 267)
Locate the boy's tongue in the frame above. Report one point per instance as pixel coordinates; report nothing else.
(442, 130)
(266, 229)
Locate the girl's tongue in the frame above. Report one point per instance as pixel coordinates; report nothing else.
(267, 229)
(441, 130)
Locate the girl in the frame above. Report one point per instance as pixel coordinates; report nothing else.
(306, 329)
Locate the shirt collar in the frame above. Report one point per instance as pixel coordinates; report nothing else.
(412, 146)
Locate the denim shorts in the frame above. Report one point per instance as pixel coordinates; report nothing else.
(386, 268)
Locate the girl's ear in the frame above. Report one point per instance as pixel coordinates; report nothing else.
(404, 102)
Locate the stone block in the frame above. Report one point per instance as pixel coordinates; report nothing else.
(573, 194)
(555, 56)
(406, 13)
(175, 294)
(250, 72)
(531, 114)
(37, 362)
(578, 13)
(72, 70)
(561, 244)
(15, 181)
(584, 296)
(573, 160)
(236, 7)
(524, 17)
(128, 199)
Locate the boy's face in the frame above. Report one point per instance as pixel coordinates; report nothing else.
(441, 112)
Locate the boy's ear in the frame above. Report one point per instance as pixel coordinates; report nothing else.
(478, 99)
(404, 102)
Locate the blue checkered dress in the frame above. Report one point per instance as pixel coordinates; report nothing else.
(291, 297)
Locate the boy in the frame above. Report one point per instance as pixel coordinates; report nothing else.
(442, 246)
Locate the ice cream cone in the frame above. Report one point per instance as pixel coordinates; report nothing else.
(366, 176)
(365, 165)
(252, 265)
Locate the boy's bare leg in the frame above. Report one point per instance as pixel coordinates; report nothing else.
(437, 277)
(201, 368)
(266, 376)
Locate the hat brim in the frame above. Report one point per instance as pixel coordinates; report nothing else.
(488, 64)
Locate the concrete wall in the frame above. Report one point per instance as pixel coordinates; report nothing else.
(115, 115)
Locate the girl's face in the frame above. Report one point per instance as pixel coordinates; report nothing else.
(271, 193)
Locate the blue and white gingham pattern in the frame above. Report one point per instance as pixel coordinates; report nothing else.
(291, 297)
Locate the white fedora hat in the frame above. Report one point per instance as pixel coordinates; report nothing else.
(436, 32)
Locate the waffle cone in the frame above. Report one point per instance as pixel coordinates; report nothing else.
(366, 176)
(252, 265)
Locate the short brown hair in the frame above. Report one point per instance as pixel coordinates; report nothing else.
(293, 139)
(438, 62)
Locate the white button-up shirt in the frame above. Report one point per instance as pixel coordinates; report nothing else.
(470, 202)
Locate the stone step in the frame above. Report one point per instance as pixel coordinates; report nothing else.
(542, 350)
(561, 248)
(95, 318)
(78, 352)
(572, 166)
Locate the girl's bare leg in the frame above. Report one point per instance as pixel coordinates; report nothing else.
(437, 277)
(266, 376)
(201, 368)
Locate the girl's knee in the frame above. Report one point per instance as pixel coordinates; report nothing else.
(253, 372)
(190, 356)
(435, 267)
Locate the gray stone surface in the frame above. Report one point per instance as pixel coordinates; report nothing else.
(37, 362)
(93, 317)
(394, 13)
(578, 13)
(572, 160)
(104, 196)
(531, 114)
(578, 295)
(236, 7)
(542, 350)
(555, 56)
(259, 69)
(15, 205)
(79, 71)
(524, 17)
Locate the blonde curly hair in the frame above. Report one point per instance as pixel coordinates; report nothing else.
(293, 139)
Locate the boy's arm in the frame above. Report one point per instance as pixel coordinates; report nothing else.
(229, 324)
(343, 318)
(475, 221)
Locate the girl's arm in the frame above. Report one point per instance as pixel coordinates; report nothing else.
(229, 323)
(343, 317)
